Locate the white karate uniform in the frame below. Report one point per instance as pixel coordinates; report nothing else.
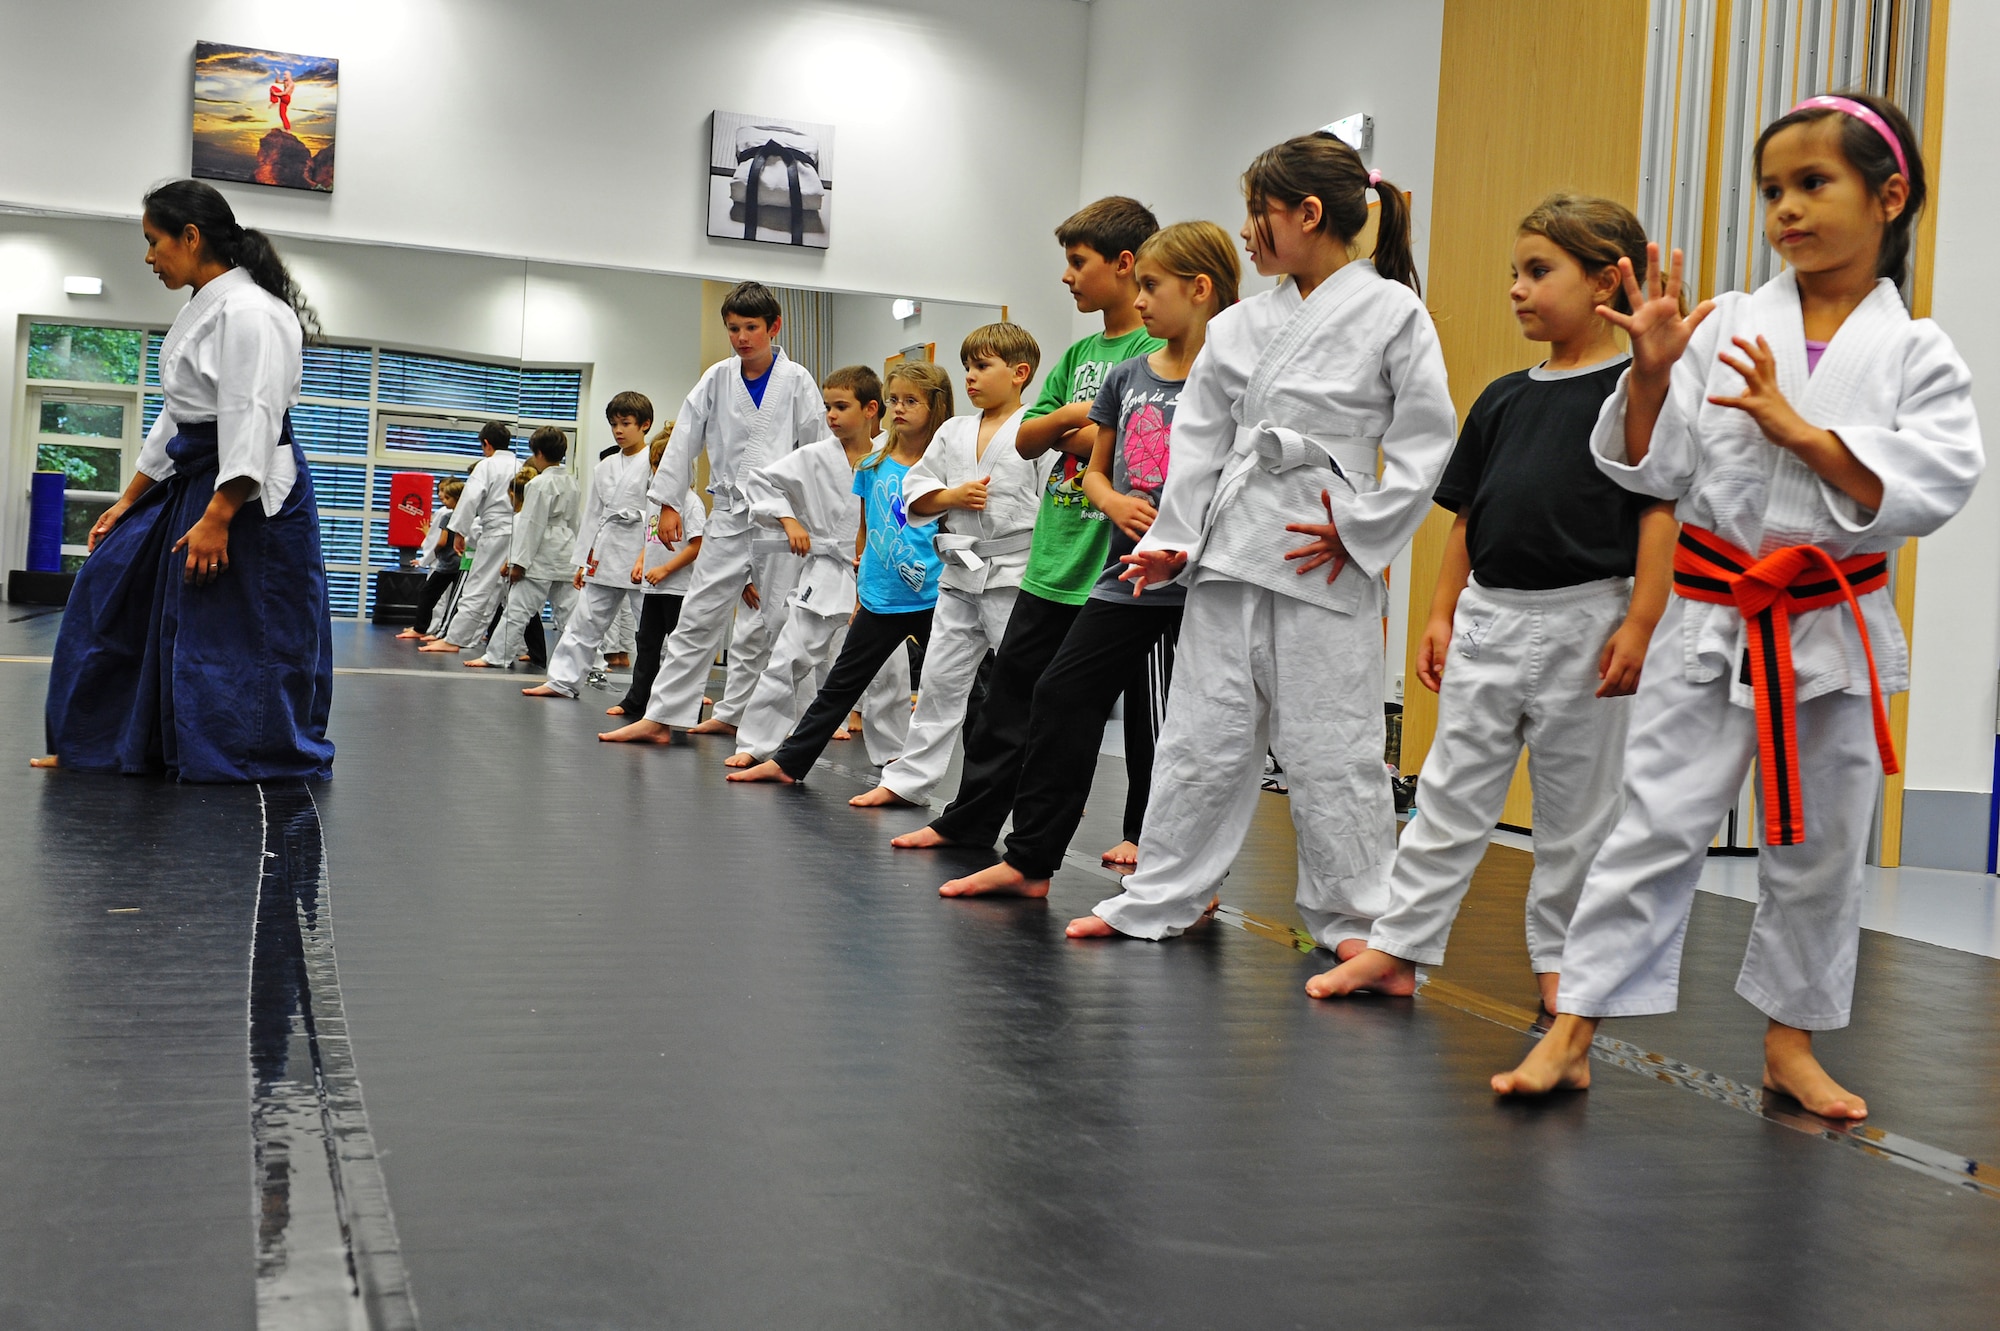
(1283, 387)
(609, 540)
(1898, 395)
(774, 571)
(483, 509)
(984, 554)
(739, 436)
(543, 539)
(1521, 669)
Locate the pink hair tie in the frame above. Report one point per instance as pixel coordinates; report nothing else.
(1374, 177)
(1848, 106)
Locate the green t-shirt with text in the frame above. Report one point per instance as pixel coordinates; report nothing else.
(1071, 537)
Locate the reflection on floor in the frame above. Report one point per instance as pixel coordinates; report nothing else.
(642, 1049)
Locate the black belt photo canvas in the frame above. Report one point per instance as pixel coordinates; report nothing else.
(770, 179)
(264, 117)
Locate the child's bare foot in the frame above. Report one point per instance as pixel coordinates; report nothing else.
(1002, 880)
(1368, 971)
(1791, 1068)
(1561, 1062)
(1125, 852)
(479, 663)
(525, 656)
(1089, 926)
(440, 645)
(545, 691)
(740, 760)
(764, 771)
(432, 637)
(615, 709)
(924, 838)
(843, 733)
(712, 727)
(879, 797)
(49, 761)
(617, 660)
(641, 731)
(1549, 982)
(410, 633)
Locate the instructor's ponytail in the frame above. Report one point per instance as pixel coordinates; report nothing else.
(1320, 166)
(179, 204)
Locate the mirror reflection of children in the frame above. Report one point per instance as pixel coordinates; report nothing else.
(281, 97)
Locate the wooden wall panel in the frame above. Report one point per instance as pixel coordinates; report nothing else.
(1534, 96)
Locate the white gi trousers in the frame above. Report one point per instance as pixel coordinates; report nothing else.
(1522, 669)
(1255, 668)
(596, 606)
(715, 583)
(524, 601)
(799, 662)
(622, 634)
(963, 628)
(776, 573)
(479, 589)
(1684, 765)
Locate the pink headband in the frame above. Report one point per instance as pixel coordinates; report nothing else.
(1374, 177)
(1848, 106)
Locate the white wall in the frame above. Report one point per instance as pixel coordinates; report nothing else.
(1955, 653)
(577, 132)
(636, 330)
(867, 332)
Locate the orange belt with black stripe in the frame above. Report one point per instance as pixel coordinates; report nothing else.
(1768, 592)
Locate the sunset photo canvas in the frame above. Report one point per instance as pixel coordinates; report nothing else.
(264, 117)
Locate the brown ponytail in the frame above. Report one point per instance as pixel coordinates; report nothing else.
(1320, 166)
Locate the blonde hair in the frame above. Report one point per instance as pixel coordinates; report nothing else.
(517, 489)
(1188, 250)
(933, 385)
(657, 449)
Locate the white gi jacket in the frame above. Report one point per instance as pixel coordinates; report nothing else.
(484, 506)
(815, 488)
(998, 536)
(1353, 377)
(614, 519)
(545, 528)
(739, 435)
(232, 357)
(1897, 394)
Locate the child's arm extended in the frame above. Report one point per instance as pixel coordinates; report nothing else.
(1055, 430)
(1453, 574)
(681, 559)
(1652, 583)
(1132, 514)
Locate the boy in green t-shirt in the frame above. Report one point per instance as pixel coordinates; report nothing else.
(1072, 538)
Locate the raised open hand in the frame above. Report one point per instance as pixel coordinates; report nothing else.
(1656, 326)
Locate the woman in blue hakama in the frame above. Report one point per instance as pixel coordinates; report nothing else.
(197, 640)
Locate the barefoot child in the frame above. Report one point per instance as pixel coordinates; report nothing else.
(749, 410)
(985, 495)
(897, 581)
(1187, 274)
(442, 558)
(1297, 398)
(665, 572)
(538, 568)
(485, 515)
(1099, 244)
(1807, 429)
(609, 541)
(810, 497)
(1552, 581)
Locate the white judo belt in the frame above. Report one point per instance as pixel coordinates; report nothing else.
(972, 552)
(1280, 449)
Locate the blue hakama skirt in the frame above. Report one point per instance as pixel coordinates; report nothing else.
(220, 683)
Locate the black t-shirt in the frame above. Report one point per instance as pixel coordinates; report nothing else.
(1539, 514)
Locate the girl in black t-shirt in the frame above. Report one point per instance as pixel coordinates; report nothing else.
(1552, 581)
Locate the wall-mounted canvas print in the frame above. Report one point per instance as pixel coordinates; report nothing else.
(264, 117)
(770, 179)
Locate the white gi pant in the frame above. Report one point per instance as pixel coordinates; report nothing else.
(524, 601)
(596, 606)
(1522, 669)
(622, 634)
(714, 586)
(964, 627)
(1684, 766)
(776, 573)
(479, 589)
(1256, 668)
(799, 662)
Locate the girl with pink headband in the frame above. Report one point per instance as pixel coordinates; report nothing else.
(1804, 430)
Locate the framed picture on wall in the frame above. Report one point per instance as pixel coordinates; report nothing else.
(770, 179)
(264, 117)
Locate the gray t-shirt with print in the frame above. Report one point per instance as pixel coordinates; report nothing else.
(1139, 405)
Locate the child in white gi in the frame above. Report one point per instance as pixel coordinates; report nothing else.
(484, 516)
(1297, 397)
(1807, 429)
(986, 496)
(441, 560)
(1553, 578)
(745, 412)
(538, 568)
(666, 571)
(610, 541)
